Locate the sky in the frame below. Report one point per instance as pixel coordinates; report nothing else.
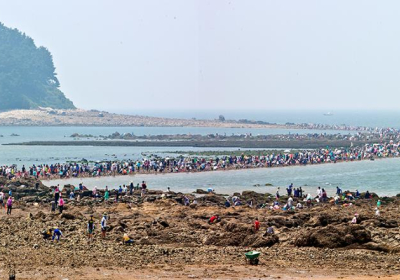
(134, 56)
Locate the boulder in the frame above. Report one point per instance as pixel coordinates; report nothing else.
(333, 236)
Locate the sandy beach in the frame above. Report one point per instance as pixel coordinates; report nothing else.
(80, 117)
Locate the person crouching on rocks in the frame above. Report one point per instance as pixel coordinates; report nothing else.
(47, 234)
(214, 219)
(57, 234)
(90, 228)
(270, 230)
(127, 240)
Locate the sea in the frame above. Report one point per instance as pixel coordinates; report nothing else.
(382, 175)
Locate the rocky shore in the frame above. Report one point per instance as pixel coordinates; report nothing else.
(176, 241)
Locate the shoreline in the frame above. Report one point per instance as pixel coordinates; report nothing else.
(155, 182)
(133, 174)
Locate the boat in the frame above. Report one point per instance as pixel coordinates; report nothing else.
(328, 114)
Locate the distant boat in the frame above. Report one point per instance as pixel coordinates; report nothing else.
(328, 114)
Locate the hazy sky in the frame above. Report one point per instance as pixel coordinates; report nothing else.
(195, 55)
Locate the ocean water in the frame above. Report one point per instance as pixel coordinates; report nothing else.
(29, 155)
(356, 117)
(379, 176)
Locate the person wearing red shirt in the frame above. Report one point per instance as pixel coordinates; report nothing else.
(213, 219)
(256, 225)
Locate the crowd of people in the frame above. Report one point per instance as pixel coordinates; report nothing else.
(294, 199)
(203, 163)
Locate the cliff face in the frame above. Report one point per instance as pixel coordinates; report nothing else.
(27, 74)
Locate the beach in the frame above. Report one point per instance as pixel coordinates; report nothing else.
(169, 223)
(175, 241)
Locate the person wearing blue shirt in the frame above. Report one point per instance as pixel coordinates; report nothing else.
(57, 234)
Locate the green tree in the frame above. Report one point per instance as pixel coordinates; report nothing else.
(27, 74)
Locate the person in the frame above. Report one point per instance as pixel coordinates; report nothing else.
(61, 204)
(117, 196)
(300, 192)
(378, 204)
(104, 225)
(144, 187)
(127, 240)
(358, 194)
(299, 205)
(71, 195)
(9, 205)
(309, 203)
(57, 233)
(336, 199)
(90, 228)
(354, 220)
(296, 192)
(2, 199)
(324, 195)
(186, 200)
(57, 194)
(214, 219)
(270, 230)
(47, 234)
(367, 195)
(289, 189)
(338, 191)
(106, 195)
(256, 225)
(53, 206)
(227, 203)
(377, 212)
(319, 193)
(290, 202)
(277, 193)
(131, 188)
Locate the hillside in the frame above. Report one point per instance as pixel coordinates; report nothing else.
(27, 74)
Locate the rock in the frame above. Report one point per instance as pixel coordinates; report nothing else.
(333, 236)
(257, 241)
(200, 191)
(67, 216)
(163, 223)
